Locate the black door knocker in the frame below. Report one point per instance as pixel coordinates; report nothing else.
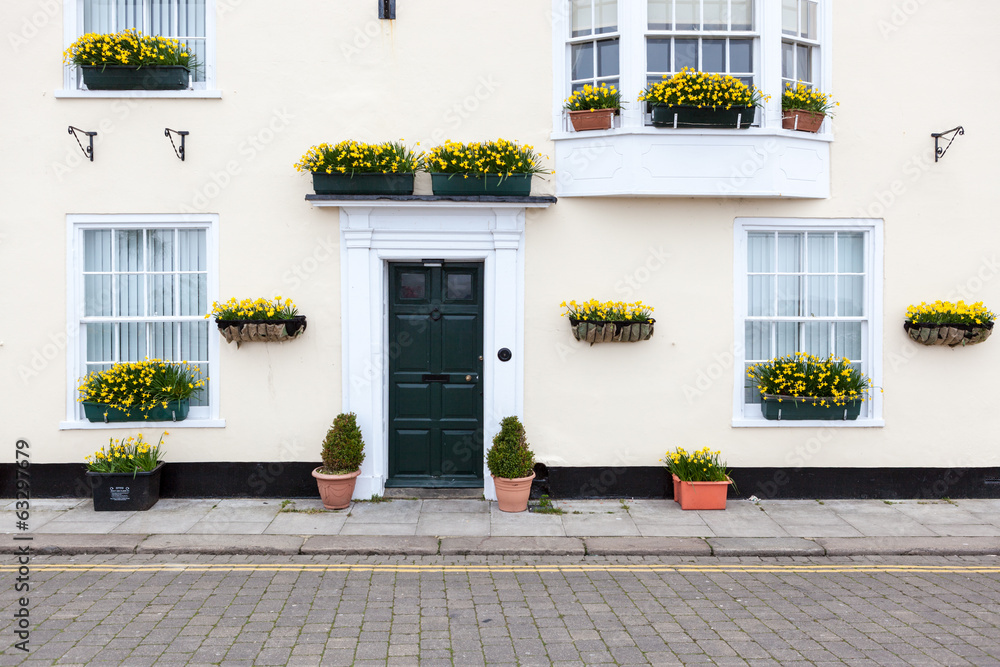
(435, 315)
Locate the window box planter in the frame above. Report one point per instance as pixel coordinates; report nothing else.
(952, 335)
(515, 185)
(261, 331)
(100, 412)
(125, 77)
(801, 120)
(611, 332)
(125, 491)
(703, 117)
(703, 495)
(592, 119)
(362, 184)
(791, 408)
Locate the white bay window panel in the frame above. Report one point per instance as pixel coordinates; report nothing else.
(594, 44)
(144, 291)
(800, 42)
(808, 286)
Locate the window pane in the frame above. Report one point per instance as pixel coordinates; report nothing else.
(459, 286)
(740, 55)
(582, 18)
(787, 60)
(715, 15)
(607, 16)
(607, 57)
(790, 17)
(760, 252)
(803, 63)
(789, 253)
(193, 294)
(817, 338)
(165, 342)
(161, 295)
(821, 296)
(850, 252)
(789, 296)
(194, 341)
(129, 250)
(820, 253)
(850, 296)
(413, 285)
(131, 295)
(758, 341)
(657, 55)
(787, 338)
(761, 296)
(160, 251)
(193, 255)
(132, 341)
(100, 342)
(97, 298)
(97, 16)
(685, 54)
(848, 340)
(742, 15)
(809, 16)
(659, 14)
(97, 250)
(583, 61)
(713, 55)
(687, 16)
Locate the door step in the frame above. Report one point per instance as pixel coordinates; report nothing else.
(433, 494)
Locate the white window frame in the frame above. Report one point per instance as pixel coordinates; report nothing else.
(73, 28)
(200, 416)
(748, 414)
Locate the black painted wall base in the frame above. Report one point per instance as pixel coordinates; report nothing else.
(293, 480)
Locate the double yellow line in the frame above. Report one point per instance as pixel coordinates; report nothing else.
(565, 568)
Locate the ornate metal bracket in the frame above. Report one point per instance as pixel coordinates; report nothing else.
(940, 151)
(387, 9)
(88, 152)
(180, 133)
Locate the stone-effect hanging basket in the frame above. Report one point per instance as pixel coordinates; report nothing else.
(257, 331)
(952, 335)
(611, 332)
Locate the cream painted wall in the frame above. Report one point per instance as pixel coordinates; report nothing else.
(465, 71)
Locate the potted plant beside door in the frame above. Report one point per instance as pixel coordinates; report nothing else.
(512, 465)
(343, 452)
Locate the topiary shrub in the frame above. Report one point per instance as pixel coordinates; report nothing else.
(510, 457)
(343, 448)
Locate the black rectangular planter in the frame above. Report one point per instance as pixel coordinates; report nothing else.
(362, 184)
(801, 409)
(174, 412)
(515, 185)
(125, 491)
(704, 117)
(123, 77)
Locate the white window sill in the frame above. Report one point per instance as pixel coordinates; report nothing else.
(186, 423)
(126, 94)
(808, 423)
(648, 161)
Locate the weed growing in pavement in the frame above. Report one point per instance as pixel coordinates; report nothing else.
(376, 498)
(624, 504)
(288, 506)
(545, 506)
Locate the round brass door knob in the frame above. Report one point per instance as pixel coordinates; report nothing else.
(468, 377)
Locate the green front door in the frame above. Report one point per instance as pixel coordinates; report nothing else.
(435, 374)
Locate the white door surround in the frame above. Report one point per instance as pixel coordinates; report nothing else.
(375, 232)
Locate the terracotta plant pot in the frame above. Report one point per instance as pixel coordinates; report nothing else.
(592, 119)
(703, 495)
(677, 488)
(336, 490)
(803, 121)
(512, 494)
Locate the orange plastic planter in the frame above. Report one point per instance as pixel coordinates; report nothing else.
(677, 488)
(703, 495)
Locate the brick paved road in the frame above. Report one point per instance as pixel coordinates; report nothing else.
(232, 610)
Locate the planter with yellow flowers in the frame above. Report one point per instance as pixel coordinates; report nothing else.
(693, 99)
(609, 321)
(258, 321)
(491, 168)
(150, 390)
(804, 108)
(356, 168)
(949, 324)
(124, 476)
(593, 107)
(801, 386)
(129, 60)
(701, 479)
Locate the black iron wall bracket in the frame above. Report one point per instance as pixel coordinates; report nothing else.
(939, 151)
(387, 9)
(88, 152)
(180, 133)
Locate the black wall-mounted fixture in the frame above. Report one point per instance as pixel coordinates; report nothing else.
(939, 151)
(88, 152)
(180, 133)
(504, 354)
(387, 9)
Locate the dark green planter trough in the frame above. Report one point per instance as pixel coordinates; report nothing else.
(121, 77)
(470, 185)
(363, 184)
(789, 409)
(174, 412)
(704, 117)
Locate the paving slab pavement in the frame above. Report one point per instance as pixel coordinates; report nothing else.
(437, 526)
